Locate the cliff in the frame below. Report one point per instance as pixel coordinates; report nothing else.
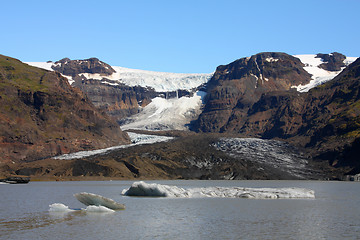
(41, 115)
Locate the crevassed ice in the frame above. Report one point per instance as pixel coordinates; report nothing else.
(160, 81)
(167, 114)
(158, 190)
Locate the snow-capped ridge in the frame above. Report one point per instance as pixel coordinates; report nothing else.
(319, 75)
(159, 81)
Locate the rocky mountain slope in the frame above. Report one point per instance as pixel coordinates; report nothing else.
(123, 92)
(188, 156)
(41, 115)
(324, 120)
(236, 87)
(268, 95)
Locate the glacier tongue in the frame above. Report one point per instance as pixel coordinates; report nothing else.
(167, 114)
(158, 190)
(136, 139)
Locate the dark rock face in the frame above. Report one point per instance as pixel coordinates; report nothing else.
(116, 99)
(41, 115)
(73, 67)
(332, 62)
(235, 87)
(119, 101)
(326, 120)
(192, 156)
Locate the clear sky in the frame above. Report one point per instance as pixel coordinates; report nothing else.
(190, 36)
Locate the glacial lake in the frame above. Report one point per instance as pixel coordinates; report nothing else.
(333, 214)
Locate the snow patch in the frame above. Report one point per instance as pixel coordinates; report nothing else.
(319, 75)
(109, 83)
(47, 66)
(158, 190)
(43, 65)
(270, 59)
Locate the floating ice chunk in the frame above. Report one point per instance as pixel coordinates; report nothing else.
(59, 207)
(62, 208)
(154, 190)
(90, 199)
(158, 190)
(98, 209)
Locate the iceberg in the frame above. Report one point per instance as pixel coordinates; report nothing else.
(59, 207)
(94, 203)
(62, 208)
(91, 199)
(157, 190)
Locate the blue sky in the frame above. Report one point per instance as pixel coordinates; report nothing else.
(192, 36)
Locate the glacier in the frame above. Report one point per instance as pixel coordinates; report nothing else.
(272, 153)
(159, 81)
(136, 139)
(167, 114)
(144, 189)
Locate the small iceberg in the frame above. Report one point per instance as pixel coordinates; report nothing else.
(91, 199)
(59, 207)
(157, 190)
(94, 203)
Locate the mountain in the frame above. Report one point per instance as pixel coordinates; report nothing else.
(123, 92)
(308, 101)
(235, 87)
(41, 115)
(324, 119)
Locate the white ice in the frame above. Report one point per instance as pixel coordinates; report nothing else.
(62, 208)
(91, 199)
(157, 190)
(59, 207)
(167, 114)
(319, 75)
(160, 81)
(136, 139)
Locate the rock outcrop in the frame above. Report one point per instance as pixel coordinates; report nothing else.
(235, 87)
(119, 101)
(41, 115)
(73, 67)
(332, 62)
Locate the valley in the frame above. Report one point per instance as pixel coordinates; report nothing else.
(268, 116)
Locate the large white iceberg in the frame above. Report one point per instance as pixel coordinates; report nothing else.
(158, 190)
